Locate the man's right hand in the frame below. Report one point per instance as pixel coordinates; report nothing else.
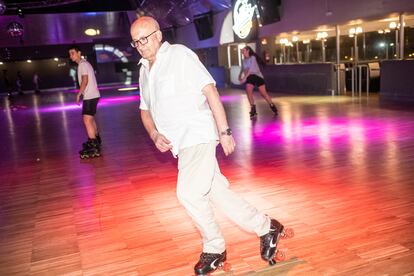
(161, 142)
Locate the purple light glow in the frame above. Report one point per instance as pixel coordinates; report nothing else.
(60, 108)
(119, 99)
(106, 87)
(102, 102)
(323, 129)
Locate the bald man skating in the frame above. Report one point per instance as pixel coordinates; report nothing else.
(182, 113)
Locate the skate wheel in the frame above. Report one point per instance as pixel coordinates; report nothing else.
(272, 262)
(280, 255)
(288, 233)
(226, 267)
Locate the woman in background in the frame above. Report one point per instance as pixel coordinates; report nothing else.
(252, 76)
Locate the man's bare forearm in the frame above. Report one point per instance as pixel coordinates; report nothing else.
(148, 123)
(213, 98)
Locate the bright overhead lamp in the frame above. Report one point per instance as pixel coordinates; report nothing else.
(92, 32)
(284, 41)
(321, 35)
(393, 25)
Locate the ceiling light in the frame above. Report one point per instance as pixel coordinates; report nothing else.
(284, 41)
(321, 35)
(92, 32)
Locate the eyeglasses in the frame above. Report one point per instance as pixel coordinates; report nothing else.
(142, 40)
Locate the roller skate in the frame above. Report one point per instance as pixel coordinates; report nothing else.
(269, 241)
(273, 108)
(98, 138)
(88, 142)
(90, 150)
(253, 112)
(209, 262)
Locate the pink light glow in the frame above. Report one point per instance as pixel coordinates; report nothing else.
(106, 87)
(102, 102)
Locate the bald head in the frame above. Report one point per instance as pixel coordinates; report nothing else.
(145, 32)
(144, 22)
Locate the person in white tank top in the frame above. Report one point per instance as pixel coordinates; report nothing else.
(253, 77)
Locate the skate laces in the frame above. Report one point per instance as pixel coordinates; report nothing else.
(208, 257)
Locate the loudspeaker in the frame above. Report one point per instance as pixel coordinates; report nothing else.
(168, 34)
(269, 11)
(204, 25)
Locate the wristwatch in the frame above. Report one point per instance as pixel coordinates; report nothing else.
(226, 132)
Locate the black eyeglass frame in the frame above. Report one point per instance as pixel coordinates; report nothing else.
(142, 40)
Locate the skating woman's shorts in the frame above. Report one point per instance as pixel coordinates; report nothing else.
(89, 106)
(255, 80)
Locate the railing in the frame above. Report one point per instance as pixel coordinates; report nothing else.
(359, 68)
(356, 78)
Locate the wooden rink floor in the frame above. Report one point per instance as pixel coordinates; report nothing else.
(340, 171)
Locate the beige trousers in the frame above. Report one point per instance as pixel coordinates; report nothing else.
(200, 184)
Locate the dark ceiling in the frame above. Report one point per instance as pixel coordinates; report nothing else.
(66, 6)
(47, 24)
(167, 12)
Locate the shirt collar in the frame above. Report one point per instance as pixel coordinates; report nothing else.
(163, 49)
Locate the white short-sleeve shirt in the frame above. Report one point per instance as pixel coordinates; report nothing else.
(251, 64)
(172, 92)
(91, 90)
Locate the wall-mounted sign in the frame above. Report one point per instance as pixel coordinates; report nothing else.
(243, 16)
